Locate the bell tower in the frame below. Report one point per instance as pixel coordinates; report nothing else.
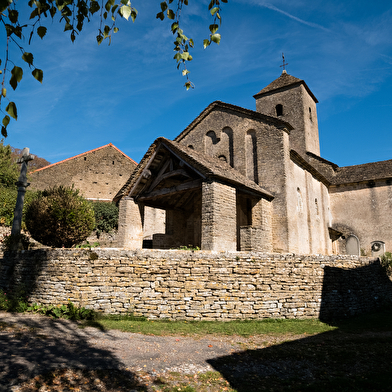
(290, 99)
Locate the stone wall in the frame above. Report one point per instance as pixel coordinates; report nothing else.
(99, 174)
(199, 285)
(373, 223)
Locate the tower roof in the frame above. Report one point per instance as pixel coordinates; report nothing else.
(284, 80)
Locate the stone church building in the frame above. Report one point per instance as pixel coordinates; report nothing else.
(242, 180)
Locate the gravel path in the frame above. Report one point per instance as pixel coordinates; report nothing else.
(32, 344)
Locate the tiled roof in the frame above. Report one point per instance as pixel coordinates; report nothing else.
(364, 172)
(208, 167)
(283, 81)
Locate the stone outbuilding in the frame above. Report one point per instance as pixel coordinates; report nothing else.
(238, 179)
(99, 174)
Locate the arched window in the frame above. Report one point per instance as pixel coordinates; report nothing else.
(251, 155)
(279, 110)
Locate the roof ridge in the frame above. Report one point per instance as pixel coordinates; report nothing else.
(83, 153)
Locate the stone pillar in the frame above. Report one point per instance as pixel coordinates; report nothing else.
(262, 222)
(218, 217)
(130, 224)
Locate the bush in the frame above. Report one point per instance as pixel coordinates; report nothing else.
(9, 170)
(59, 217)
(386, 261)
(15, 242)
(106, 216)
(8, 202)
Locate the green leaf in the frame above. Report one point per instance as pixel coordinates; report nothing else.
(4, 132)
(185, 72)
(216, 38)
(38, 74)
(68, 26)
(34, 13)
(171, 14)
(163, 6)
(214, 10)
(106, 31)
(133, 14)
(109, 5)
(160, 15)
(99, 39)
(206, 43)
(28, 57)
(94, 7)
(53, 11)
(125, 11)
(17, 74)
(4, 4)
(6, 120)
(174, 27)
(115, 29)
(11, 110)
(13, 15)
(41, 31)
(213, 28)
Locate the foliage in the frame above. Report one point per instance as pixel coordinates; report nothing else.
(87, 245)
(9, 171)
(14, 303)
(36, 163)
(189, 247)
(7, 204)
(386, 261)
(19, 303)
(15, 242)
(73, 14)
(106, 216)
(59, 217)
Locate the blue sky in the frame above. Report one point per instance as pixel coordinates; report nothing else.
(130, 93)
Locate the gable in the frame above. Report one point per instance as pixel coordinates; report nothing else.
(169, 167)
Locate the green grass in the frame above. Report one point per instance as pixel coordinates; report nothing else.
(199, 328)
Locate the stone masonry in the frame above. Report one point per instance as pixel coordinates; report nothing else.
(199, 285)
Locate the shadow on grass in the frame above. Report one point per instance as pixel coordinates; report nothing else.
(357, 356)
(38, 346)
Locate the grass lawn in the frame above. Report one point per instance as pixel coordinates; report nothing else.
(347, 355)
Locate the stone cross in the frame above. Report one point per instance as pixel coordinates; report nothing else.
(22, 184)
(284, 63)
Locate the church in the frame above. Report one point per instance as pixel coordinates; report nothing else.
(242, 180)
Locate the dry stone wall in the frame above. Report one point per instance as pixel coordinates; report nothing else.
(198, 285)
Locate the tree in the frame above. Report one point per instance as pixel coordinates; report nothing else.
(35, 164)
(73, 14)
(9, 171)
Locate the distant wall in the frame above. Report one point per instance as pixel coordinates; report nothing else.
(99, 174)
(199, 285)
(364, 210)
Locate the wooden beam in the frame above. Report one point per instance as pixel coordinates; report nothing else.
(184, 187)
